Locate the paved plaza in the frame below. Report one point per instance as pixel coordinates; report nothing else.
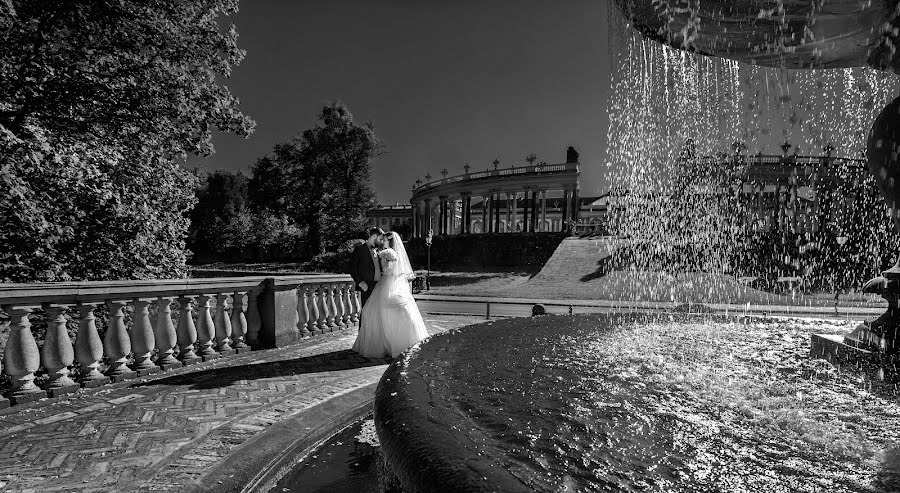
(214, 426)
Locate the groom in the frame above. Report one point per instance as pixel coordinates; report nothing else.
(365, 268)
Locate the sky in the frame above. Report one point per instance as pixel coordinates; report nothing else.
(445, 82)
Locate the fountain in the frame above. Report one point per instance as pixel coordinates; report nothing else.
(648, 403)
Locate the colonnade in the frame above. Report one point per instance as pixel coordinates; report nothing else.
(501, 210)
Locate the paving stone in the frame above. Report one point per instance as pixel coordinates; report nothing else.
(166, 431)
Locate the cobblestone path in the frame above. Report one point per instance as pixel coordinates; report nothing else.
(167, 432)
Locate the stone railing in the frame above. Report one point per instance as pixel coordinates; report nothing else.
(160, 324)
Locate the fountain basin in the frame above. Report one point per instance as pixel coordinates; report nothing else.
(790, 33)
(631, 402)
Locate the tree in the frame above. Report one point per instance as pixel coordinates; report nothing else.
(220, 221)
(101, 101)
(327, 172)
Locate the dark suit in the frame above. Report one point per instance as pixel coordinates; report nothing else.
(362, 268)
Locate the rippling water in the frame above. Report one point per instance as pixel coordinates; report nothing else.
(572, 404)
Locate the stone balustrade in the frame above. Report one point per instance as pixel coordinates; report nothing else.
(155, 325)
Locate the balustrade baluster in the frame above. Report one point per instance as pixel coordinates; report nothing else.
(239, 322)
(302, 311)
(206, 329)
(312, 325)
(322, 321)
(89, 348)
(348, 307)
(142, 342)
(357, 306)
(254, 322)
(223, 326)
(187, 332)
(165, 335)
(21, 357)
(329, 301)
(117, 344)
(57, 353)
(338, 306)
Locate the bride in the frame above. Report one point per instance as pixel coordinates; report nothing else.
(390, 321)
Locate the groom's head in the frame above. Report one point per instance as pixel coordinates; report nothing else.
(376, 237)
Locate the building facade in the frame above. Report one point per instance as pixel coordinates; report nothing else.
(396, 217)
(533, 198)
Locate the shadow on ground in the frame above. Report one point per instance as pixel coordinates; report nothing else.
(223, 377)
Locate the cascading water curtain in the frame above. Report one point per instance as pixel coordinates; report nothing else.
(676, 117)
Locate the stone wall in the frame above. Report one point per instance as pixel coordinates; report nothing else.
(485, 250)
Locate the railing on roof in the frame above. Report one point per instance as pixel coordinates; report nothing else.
(501, 172)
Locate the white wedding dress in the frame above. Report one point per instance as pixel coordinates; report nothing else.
(390, 321)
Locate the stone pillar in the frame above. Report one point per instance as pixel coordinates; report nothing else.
(337, 295)
(322, 322)
(357, 307)
(415, 225)
(484, 211)
(576, 206)
(223, 326)
(187, 332)
(467, 214)
(117, 344)
(239, 322)
(57, 353)
(302, 311)
(514, 211)
(543, 219)
(497, 214)
(206, 329)
(525, 211)
(509, 227)
(489, 224)
(565, 210)
(312, 307)
(142, 341)
(164, 335)
(89, 348)
(534, 211)
(429, 225)
(21, 357)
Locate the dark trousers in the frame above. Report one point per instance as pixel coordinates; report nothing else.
(364, 295)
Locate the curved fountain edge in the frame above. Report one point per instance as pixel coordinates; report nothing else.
(416, 437)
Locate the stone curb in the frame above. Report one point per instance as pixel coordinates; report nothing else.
(268, 457)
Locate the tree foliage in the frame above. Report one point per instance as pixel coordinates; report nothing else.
(322, 178)
(101, 100)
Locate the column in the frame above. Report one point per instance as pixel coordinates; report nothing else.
(497, 214)
(428, 216)
(576, 206)
(484, 207)
(524, 218)
(543, 219)
(467, 214)
(440, 216)
(415, 217)
(509, 227)
(515, 210)
(565, 210)
(489, 225)
(534, 211)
